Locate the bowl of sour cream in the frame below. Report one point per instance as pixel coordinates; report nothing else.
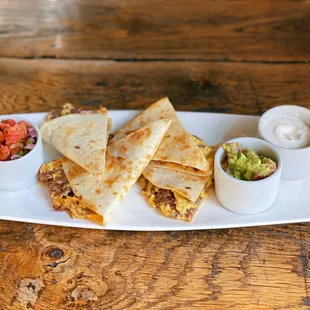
(288, 128)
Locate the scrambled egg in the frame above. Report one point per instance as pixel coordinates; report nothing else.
(177, 206)
(52, 175)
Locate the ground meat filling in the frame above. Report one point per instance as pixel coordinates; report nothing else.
(165, 196)
(60, 187)
(57, 182)
(198, 201)
(68, 108)
(190, 213)
(45, 177)
(53, 114)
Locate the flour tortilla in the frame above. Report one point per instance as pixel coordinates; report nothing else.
(80, 137)
(188, 185)
(177, 147)
(126, 159)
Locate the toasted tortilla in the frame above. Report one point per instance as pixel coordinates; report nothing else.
(177, 194)
(170, 202)
(52, 175)
(183, 182)
(126, 159)
(80, 137)
(177, 146)
(187, 185)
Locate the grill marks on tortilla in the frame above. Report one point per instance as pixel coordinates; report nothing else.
(172, 203)
(124, 149)
(110, 181)
(53, 176)
(137, 136)
(122, 170)
(69, 131)
(76, 171)
(81, 138)
(149, 156)
(187, 181)
(114, 161)
(177, 146)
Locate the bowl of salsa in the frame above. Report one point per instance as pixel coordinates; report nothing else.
(17, 139)
(21, 153)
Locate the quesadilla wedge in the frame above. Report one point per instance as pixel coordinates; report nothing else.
(182, 167)
(53, 176)
(184, 182)
(176, 194)
(69, 108)
(80, 137)
(96, 197)
(178, 150)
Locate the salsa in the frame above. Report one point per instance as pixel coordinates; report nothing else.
(246, 164)
(16, 139)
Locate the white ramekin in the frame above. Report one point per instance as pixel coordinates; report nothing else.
(247, 197)
(22, 173)
(295, 161)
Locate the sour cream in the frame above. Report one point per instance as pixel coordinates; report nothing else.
(288, 132)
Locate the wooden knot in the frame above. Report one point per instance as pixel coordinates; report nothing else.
(56, 253)
(52, 256)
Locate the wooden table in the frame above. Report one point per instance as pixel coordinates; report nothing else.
(232, 57)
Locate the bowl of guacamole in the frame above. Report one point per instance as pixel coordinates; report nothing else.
(247, 175)
(245, 163)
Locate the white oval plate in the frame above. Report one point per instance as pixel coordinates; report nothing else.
(33, 205)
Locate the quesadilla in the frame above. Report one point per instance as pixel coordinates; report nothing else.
(163, 189)
(52, 175)
(80, 137)
(181, 171)
(92, 197)
(178, 150)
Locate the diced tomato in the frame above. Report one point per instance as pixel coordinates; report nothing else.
(4, 126)
(16, 133)
(271, 164)
(258, 177)
(14, 137)
(2, 137)
(224, 163)
(4, 152)
(23, 123)
(11, 122)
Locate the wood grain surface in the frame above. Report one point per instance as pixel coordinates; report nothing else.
(143, 29)
(220, 56)
(44, 267)
(261, 268)
(37, 85)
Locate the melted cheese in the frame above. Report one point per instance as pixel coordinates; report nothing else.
(184, 209)
(75, 206)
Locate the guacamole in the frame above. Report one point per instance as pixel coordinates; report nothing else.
(246, 164)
